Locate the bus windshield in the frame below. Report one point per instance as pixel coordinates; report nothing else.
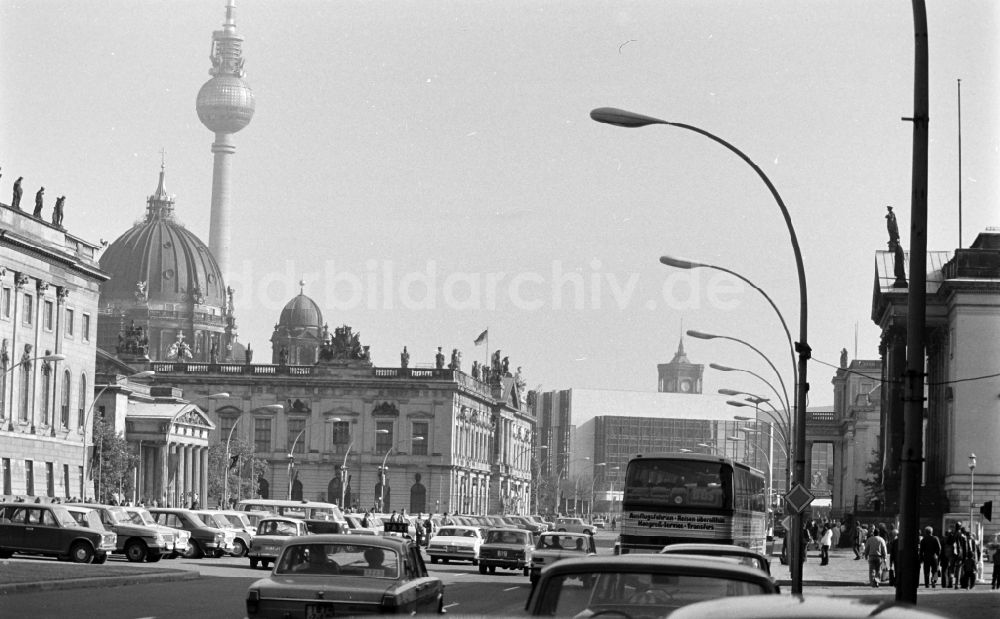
(678, 482)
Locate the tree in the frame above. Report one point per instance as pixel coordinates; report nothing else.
(242, 467)
(111, 463)
(873, 485)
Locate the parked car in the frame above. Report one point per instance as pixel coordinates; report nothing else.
(523, 522)
(138, 542)
(206, 539)
(455, 544)
(509, 549)
(182, 538)
(240, 526)
(745, 556)
(329, 575)
(356, 527)
(788, 607)
(552, 547)
(640, 585)
(599, 522)
(272, 533)
(573, 525)
(50, 530)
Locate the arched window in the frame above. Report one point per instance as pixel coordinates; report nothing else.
(64, 413)
(82, 398)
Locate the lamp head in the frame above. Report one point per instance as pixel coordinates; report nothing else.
(623, 118)
(684, 451)
(143, 374)
(741, 418)
(274, 407)
(756, 399)
(730, 392)
(678, 263)
(972, 462)
(220, 395)
(736, 403)
(700, 335)
(721, 368)
(704, 445)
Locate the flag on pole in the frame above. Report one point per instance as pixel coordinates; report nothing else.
(482, 337)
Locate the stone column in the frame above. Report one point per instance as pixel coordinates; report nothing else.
(203, 493)
(185, 474)
(170, 472)
(892, 413)
(196, 475)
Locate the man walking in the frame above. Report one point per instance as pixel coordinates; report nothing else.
(876, 553)
(860, 535)
(930, 552)
(825, 541)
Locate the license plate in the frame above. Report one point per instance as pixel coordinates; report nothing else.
(319, 611)
(451, 549)
(502, 553)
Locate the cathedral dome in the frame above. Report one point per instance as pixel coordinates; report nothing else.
(163, 260)
(301, 313)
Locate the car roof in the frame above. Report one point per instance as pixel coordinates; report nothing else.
(710, 549)
(682, 564)
(781, 606)
(282, 519)
(393, 543)
(515, 529)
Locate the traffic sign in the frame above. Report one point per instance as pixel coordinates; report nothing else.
(798, 498)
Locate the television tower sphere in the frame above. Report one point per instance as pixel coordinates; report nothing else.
(225, 104)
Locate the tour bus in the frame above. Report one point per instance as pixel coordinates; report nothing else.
(685, 497)
(320, 517)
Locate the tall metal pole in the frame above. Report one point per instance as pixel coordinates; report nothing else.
(226, 466)
(908, 575)
(343, 478)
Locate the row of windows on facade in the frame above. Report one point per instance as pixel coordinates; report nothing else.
(47, 390)
(340, 435)
(29, 479)
(47, 316)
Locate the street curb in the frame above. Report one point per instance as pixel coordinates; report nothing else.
(96, 582)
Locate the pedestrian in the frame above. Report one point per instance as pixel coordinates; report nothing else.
(860, 535)
(949, 558)
(835, 528)
(825, 541)
(930, 553)
(893, 548)
(365, 520)
(876, 553)
(418, 526)
(614, 523)
(996, 568)
(970, 560)
(394, 517)
(428, 527)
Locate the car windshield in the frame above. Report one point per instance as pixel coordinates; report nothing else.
(215, 520)
(505, 537)
(234, 520)
(140, 516)
(564, 542)
(338, 559)
(634, 594)
(277, 527)
(118, 515)
(453, 532)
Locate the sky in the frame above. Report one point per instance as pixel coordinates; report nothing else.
(429, 169)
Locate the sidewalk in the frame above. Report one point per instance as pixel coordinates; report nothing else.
(42, 575)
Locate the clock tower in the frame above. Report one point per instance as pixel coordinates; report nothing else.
(680, 375)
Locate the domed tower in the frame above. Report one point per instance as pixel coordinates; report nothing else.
(225, 105)
(166, 286)
(299, 331)
(680, 375)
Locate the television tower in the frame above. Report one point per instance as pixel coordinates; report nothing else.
(225, 105)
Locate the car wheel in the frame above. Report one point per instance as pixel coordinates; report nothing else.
(493, 569)
(482, 568)
(434, 559)
(254, 563)
(240, 549)
(264, 563)
(527, 572)
(101, 558)
(475, 562)
(194, 551)
(81, 552)
(219, 553)
(153, 557)
(533, 577)
(135, 551)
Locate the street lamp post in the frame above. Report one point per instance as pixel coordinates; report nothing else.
(343, 477)
(291, 451)
(628, 119)
(226, 465)
(382, 470)
(711, 336)
(83, 426)
(972, 493)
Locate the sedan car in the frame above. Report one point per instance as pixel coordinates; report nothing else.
(329, 575)
(455, 544)
(138, 542)
(744, 555)
(50, 530)
(552, 547)
(272, 533)
(573, 525)
(182, 538)
(206, 539)
(509, 549)
(788, 607)
(639, 585)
